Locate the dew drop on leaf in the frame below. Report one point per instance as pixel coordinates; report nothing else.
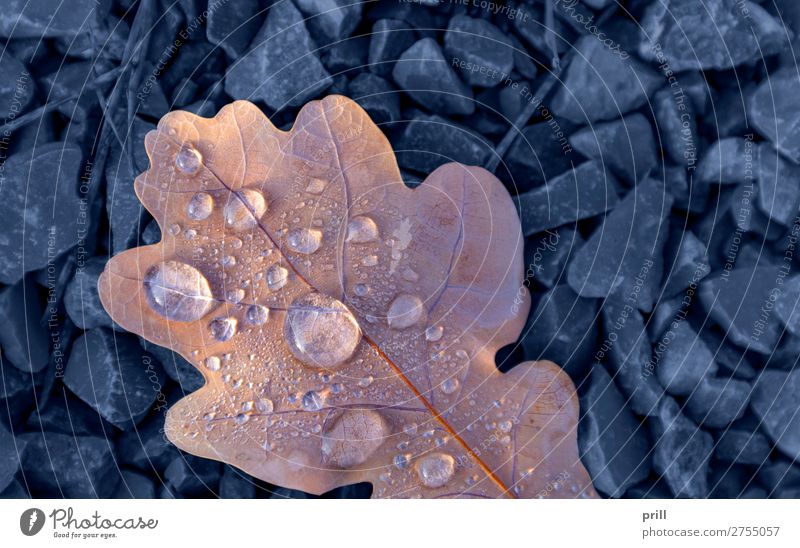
(449, 386)
(360, 289)
(200, 206)
(304, 240)
(244, 209)
(353, 437)
(321, 331)
(223, 329)
(257, 314)
(312, 401)
(362, 229)
(436, 469)
(213, 363)
(188, 160)
(316, 186)
(178, 291)
(434, 333)
(235, 296)
(277, 276)
(265, 405)
(405, 311)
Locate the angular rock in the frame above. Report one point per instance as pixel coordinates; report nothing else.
(671, 32)
(66, 414)
(677, 126)
(688, 266)
(16, 392)
(628, 352)
(281, 67)
(731, 160)
(177, 368)
(133, 485)
(681, 451)
(81, 299)
(427, 77)
(40, 207)
(12, 451)
(114, 376)
(779, 474)
(613, 444)
(377, 96)
(623, 259)
(389, 38)
(778, 188)
(235, 484)
(330, 20)
(562, 328)
(717, 402)
(577, 194)
(776, 400)
(24, 340)
(774, 110)
(538, 154)
(428, 141)
(191, 476)
(547, 255)
(17, 87)
(147, 447)
(233, 26)
(151, 234)
(664, 314)
(480, 52)
(788, 306)
(689, 195)
(625, 145)
(61, 465)
(45, 19)
(523, 63)
(600, 85)
(741, 446)
(741, 302)
(347, 57)
(683, 360)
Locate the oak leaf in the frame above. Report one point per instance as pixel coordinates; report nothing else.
(346, 324)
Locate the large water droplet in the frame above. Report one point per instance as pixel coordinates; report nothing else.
(244, 209)
(321, 331)
(436, 469)
(277, 276)
(213, 363)
(353, 438)
(188, 159)
(362, 229)
(449, 386)
(434, 333)
(304, 240)
(257, 314)
(223, 329)
(200, 206)
(405, 311)
(178, 291)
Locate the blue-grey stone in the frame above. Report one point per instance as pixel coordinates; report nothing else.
(389, 38)
(330, 20)
(235, 484)
(81, 299)
(688, 265)
(12, 452)
(677, 126)
(683, 360)
(776, 400)
(24, 340)
(717, 402)
(233, 25)
(742, 446)
(480, 51)
(133, 485)
(778, 188)
(774, 110)
(377, 96)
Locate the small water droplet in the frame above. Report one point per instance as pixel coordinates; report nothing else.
(462, 354)
(244, 209)
(188, 159)
(505, 426)
(369, 260)
(321, 331)
(434, 333)
(277, 276)
(213, 363)
(401, 461)
(178, 291)
(312, 401)
(449, 386)
(405, 311)
(200, 206)
(257, 314)
(223, 329)
(247, 406)
(265, 405)
(436, 469)
(362, 229)
(304, 240)
(228, 261)
(410, 429)
(175, 229)
(241, 418)
(190, 234)
(365, 381)
(235, 296)
(316, 186)
(360, 289)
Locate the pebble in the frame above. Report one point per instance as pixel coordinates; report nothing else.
(134, 485)
(677, 126)
(377, 96)
(191, 476)
(479, 50)
(176, 367)
(729, 161)
(778, 192)
(330, 20)
(536, 156)
(46, 18)
(688, 264)
(233, 27)
(81, 299)
(742, 446)
(717, 402)
(682, 360)
(547, 254)
(235, 484)
(12, 451)
(24, 340)
(775, 401)
(774, 110)
(389, 39)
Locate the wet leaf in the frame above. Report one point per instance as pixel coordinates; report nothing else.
(345, 324)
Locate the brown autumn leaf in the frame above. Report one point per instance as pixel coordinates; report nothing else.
(345, 324)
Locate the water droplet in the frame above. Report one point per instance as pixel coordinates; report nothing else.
(401, 461)
(241, 418)
(353, 438)
(223, 329)
(410, 429)
(257, 314)
(190, 234)
(228, 261)
(213, 363)
(247, 406)
(505, 426)
(434, 333)
(362, 229)
(244, 209)
(369, 260)
(188, 159)
(405, 311)
(277, 276)
(178, 291)
(365, 381)
(304, 240)
(265, 405)
(316, 186)
(321, 331)
(462, 354)
(360, 289)
(235, 296)
(175, 229)
(200, 206)
(312, 401)
(436, 469)
(449, 386)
